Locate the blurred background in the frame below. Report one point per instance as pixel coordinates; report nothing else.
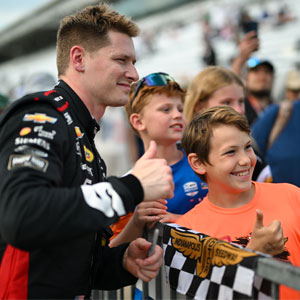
(179, 37)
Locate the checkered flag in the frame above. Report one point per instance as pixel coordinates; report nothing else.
(203, 267)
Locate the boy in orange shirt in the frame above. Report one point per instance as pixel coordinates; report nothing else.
(218, 145)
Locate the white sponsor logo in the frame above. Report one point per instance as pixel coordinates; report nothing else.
(58, 98)
(87, 181)
(190, 188)
(78, 149)
(43, 133)
(103, 197)
(35, 141)
(28, 150)
(27, 160)
(85, 167)
(68, 118)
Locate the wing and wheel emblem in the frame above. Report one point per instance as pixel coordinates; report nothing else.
(207, 251)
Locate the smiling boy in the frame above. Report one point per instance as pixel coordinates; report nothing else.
(218, 145)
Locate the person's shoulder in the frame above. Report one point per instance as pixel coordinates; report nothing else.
(265, 120)
(271, 110)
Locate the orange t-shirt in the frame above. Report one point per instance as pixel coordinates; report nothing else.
(277, 201)
(120, 224)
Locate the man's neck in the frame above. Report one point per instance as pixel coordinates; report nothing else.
(259, 99)
(96, 110)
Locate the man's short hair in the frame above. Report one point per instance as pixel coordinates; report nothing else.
(89, 29)
(197, 135)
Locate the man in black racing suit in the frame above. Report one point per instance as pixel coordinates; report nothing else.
(56, 202)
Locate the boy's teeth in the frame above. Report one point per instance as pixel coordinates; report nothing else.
(241, 173)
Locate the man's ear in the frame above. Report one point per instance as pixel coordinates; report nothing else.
(195, 164)
(137, 122)
(77, 55)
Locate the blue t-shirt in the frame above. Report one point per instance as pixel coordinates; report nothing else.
(189, 188)
(284, 155)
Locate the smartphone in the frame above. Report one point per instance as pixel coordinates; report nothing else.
(154, 241)
(250, 26)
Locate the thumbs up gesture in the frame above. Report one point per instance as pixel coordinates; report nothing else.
(267, 239)
(154, 174)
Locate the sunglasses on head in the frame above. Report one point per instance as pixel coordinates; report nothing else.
(153, 79)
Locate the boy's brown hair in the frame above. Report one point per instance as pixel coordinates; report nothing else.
(89, 29)
(146, 92)
(197, 135)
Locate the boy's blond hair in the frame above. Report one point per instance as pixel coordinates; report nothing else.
(172, 89)
(197, 135)
(89, 29)
(204, 84)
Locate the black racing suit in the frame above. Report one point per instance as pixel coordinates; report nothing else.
(53, 214)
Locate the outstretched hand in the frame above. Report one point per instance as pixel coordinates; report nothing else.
(154, 174)
(137, 262)
(248, 44)
(149, 212)
(267, 239)
(169, 218)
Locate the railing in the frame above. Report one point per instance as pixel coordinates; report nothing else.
(277, 272)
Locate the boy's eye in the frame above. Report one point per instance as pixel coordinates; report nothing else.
(249, 147)
(165, 109)
(229, 152)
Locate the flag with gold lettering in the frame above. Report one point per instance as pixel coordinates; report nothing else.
(203, 267)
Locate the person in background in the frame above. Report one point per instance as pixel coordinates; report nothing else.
(155, 113)
(218, 145)
(276, 132)
(215, 86)
(258, 75)
(4, 102)
(292, 85)
(56, 202)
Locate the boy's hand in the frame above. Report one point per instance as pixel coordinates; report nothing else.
(169, 218)
(267, 239)
(149, 212)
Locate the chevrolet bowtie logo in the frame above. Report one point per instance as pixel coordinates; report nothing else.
(207, 251)
(39, 118)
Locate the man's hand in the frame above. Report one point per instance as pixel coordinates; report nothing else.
(155, 175)
(267, 239)
(137, 262)
(248, 44)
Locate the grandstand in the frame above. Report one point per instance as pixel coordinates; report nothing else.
(28, 46)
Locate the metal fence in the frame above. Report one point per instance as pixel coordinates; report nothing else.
(277, 272)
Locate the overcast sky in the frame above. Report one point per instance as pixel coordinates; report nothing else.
(12, 10)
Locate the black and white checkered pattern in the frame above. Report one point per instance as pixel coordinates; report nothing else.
(226, 282)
